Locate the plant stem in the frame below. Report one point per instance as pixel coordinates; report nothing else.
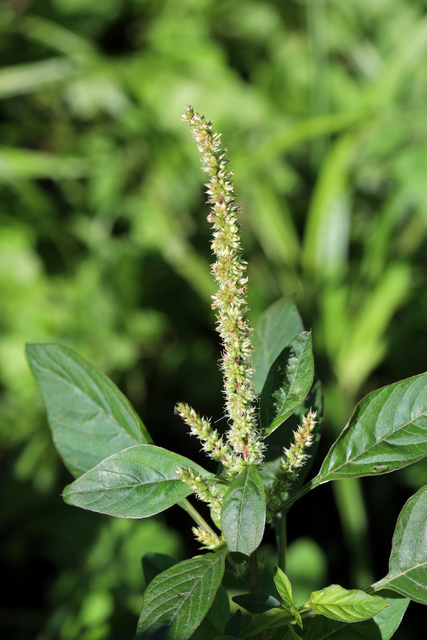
(253, 575)
(296, 496)
(198, 519)
(281, 541)
(253, 583)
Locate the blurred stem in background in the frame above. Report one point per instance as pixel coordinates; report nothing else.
(317, 33)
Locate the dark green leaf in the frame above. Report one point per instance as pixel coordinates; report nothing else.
(135, 483)
(155, 563)
(345, 605)
(276, 327)
(381, 627)
(408, 560)
(234, 625)
(89, 417)
(288, 382)
(256, 602)
(243, 512)
(264, 620)
(387, 431)
(177, 600)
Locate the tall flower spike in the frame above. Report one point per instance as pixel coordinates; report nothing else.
(230, 300)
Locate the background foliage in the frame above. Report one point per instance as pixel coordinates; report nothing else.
(104, 248)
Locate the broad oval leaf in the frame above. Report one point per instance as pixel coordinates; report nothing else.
(275, 328)
(135, 483)
(89, 417)
(408, 560)
(345, 605)
(178, 599)
(380, 627)
(288, 382)
(387, 431)
(243, 512)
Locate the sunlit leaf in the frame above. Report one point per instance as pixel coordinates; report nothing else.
(89, 417)
(243, 512)
(380, 627)
(345, 605)
(408, 560)
(135, 483)
(387, 431)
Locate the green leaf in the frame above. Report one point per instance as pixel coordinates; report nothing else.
(243, 512)
(288, 382)
(276, 327)
(264, 620)
(387, 431)
(283, 585)
(89, 417)
(408, 560)
(178, 599)
(256, 602)
(135, 483)
(381, 627)
(345, 605)
(234, 625)
(216, 618)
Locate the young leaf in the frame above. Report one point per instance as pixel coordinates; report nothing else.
(264, 620)
(276, 327)
(135, 483)
(89, 417)
(283, 586)
(256, 602)
(243, 512)
(288, 382)
(347, 606)
(387, 431)
(408, 560)
(381, 627)
(177, 600)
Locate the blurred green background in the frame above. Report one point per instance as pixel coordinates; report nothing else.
(104, 247)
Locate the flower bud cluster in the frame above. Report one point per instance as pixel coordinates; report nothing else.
(212, 442)
(208, 540)
(230, 300)
(292, 461)
(205, 488)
